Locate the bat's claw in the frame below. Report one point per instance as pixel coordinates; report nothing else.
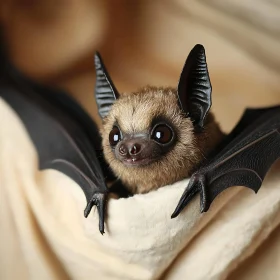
(196, 184)
(98, 199)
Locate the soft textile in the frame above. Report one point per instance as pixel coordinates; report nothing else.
(45, 236)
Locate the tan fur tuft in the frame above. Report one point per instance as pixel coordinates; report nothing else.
(134, 113)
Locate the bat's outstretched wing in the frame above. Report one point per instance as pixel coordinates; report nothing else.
(64, 135)
(243, 158)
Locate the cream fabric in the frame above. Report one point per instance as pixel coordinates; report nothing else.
(45, 236)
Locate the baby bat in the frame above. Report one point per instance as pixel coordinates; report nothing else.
(162, 134)
(157, 136)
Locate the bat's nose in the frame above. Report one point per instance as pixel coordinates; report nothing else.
(130, 148)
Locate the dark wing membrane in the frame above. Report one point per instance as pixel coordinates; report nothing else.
(60, 142)
(254, 124)
(64, 135)
(250, 150)
(246, 168)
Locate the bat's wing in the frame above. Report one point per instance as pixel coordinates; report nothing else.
(64, 136)
(243, 159)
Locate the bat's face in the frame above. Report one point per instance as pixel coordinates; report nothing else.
(157, 136)
(147, 140)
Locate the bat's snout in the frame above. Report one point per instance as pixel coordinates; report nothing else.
(136, 151)
(131, 149)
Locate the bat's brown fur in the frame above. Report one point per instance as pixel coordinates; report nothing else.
(134, 112)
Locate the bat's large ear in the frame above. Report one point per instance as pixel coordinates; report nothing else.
(105, 91)
(194, 89)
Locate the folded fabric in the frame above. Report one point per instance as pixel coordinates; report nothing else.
(44, 234)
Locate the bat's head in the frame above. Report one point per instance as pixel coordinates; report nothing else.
(157, 136)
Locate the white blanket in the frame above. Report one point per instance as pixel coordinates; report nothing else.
(45, 236)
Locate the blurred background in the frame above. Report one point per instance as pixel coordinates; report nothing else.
(147, 42)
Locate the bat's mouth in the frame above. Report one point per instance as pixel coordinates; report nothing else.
(133, 161)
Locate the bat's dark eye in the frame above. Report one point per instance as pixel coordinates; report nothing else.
(162, 133)
(114, 136)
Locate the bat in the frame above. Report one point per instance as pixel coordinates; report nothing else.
(65, 137)
(149, 138)
(157, 136)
